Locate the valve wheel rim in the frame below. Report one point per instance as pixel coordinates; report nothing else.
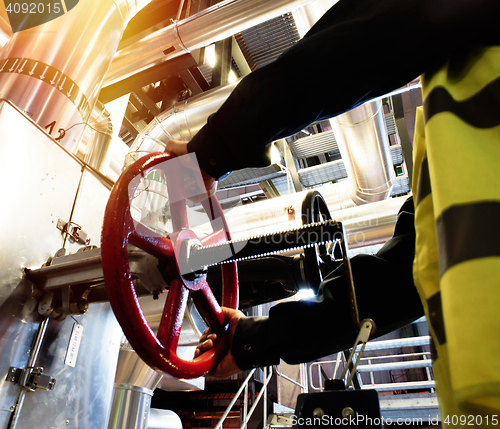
(119, 229)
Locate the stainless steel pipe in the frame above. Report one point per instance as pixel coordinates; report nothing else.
(362, 139)
(218, 22)
(95, 146)
(134, 386)
(180, 122)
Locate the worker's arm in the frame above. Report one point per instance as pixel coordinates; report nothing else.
(360, 49)
(305, 330)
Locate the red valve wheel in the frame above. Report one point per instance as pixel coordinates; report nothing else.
(159, 350)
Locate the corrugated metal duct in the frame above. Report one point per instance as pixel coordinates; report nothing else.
(95, 146)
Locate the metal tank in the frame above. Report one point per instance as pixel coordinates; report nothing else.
(54, 71)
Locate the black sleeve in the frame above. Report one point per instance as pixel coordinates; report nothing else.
(358, 50)
(306, 330)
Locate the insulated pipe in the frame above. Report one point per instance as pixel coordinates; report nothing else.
(216, 23)
(130, 407)
(55, 73)
(365, 225)
(181, 122)
(95, 145)
(134, 385)
(361, 136)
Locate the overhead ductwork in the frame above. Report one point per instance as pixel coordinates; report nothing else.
(54, 74)
(215, 23)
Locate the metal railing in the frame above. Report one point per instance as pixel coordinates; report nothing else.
(421, 360)
(247, 414)
(303, 384)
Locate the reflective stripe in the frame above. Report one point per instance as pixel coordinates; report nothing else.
(436, 317)
(424, 182)
(480, 110)
(466, 232)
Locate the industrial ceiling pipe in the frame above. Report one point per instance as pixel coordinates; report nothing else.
(54, 72)
(181, 122)
(215, 23)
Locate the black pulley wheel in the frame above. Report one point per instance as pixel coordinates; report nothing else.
(318, 260)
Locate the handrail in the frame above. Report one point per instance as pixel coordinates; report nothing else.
(318, 364)
(236, 396)
(291, 380)
(244, 386)
(424, 363)
(264, 389)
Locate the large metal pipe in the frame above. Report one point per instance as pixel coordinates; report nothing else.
(55, 73)
(181, 122)
(133, 390)
(361, 136)
(365, 225)
(95, 146)
(208, 26)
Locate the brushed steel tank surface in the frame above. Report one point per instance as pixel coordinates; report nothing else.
(43, 183)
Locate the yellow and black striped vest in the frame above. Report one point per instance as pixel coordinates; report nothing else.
(456, 187)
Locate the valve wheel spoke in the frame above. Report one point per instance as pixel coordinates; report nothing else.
(208, 305)
(152, 243)
(173, 315)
